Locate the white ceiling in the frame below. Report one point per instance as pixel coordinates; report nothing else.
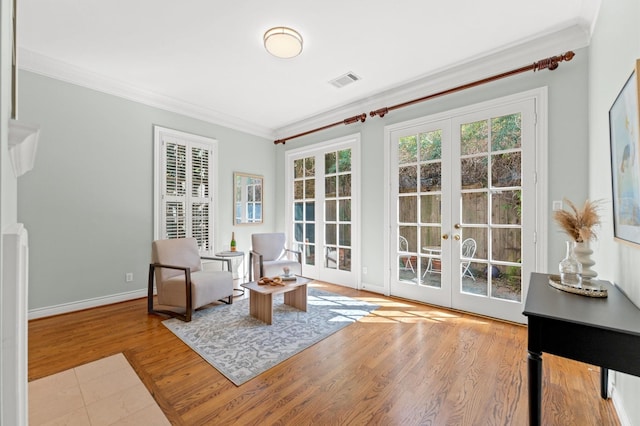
(205, 58)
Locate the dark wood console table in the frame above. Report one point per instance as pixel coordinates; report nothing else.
(601, 331)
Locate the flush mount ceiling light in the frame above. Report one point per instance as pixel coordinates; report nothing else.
(283, 42)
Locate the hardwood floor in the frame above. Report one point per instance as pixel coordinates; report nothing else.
(406, 364)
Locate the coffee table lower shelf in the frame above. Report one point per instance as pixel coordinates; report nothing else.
(261, 297)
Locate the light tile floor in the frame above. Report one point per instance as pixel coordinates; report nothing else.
(104, 392)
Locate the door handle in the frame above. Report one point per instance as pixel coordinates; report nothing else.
(457, 226)
(456, 237)
(445, 236)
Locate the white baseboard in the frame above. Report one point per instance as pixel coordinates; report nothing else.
(86, 304)
(617, 404)
(372, 288)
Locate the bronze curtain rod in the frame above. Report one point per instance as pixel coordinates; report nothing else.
(550, 63)
(360, 117)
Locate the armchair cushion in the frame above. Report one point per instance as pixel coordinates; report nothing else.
(178, 252)
(272, 268)
(269, 245)
(206, 287)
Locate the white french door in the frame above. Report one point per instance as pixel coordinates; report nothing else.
(323, 209)
(462, 208)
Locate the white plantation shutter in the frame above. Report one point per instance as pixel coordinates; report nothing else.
(184, 181)
(200, 196)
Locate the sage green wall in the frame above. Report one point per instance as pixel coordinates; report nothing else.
(567, 92)
(88, 201)
(613, 51)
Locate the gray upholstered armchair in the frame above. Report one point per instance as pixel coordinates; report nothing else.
(180, 281)
(269, 255)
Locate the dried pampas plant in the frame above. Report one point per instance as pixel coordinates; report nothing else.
(579, 224)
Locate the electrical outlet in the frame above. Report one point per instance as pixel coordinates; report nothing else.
(128, 277)
(365, 270)
(557, 205)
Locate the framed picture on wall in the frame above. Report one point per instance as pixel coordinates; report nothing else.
(624, 137)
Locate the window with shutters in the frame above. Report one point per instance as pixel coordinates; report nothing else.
(184, 168)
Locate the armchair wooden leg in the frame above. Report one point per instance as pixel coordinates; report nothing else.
(150, 292)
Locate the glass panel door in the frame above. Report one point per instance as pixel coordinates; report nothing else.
(490, 215)
(304, 207)
(495, 173)
(419, 266)
(324, 210)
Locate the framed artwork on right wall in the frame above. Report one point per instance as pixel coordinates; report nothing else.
(624, 137)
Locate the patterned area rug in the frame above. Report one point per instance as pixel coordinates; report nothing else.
(242, 347)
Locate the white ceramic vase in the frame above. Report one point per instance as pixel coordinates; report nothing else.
(583, 253)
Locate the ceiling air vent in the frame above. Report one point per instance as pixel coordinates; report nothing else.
(344, 80)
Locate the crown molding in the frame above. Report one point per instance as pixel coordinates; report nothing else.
(574, 35)
(53, 68)
(518, 54)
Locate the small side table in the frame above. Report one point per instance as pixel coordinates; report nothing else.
(232, 255)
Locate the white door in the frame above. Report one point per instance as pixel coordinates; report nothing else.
(420, 158)
(463, 203)
(323, 209)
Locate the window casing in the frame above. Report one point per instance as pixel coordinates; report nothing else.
(184, 170)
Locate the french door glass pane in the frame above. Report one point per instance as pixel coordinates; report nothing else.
(298, 190)
(430, 145)
(310, 167)
(298, 209)
(506, 169)
(310, 233)
(298, 168)
(344, 160)
(345, 234)
(330, 186)
(407, 179)
(506, 207)
(344, 188)
(310, 211)
(330, 210)
(508, 247)
(408, 209)
(474, 138)
(330, 163)
(345, 210)
(474, 207)
(506, 132)
(430, 208)
(431, 177)
(474, 172)
(331, 232)
(407, 149)
(309, 188)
